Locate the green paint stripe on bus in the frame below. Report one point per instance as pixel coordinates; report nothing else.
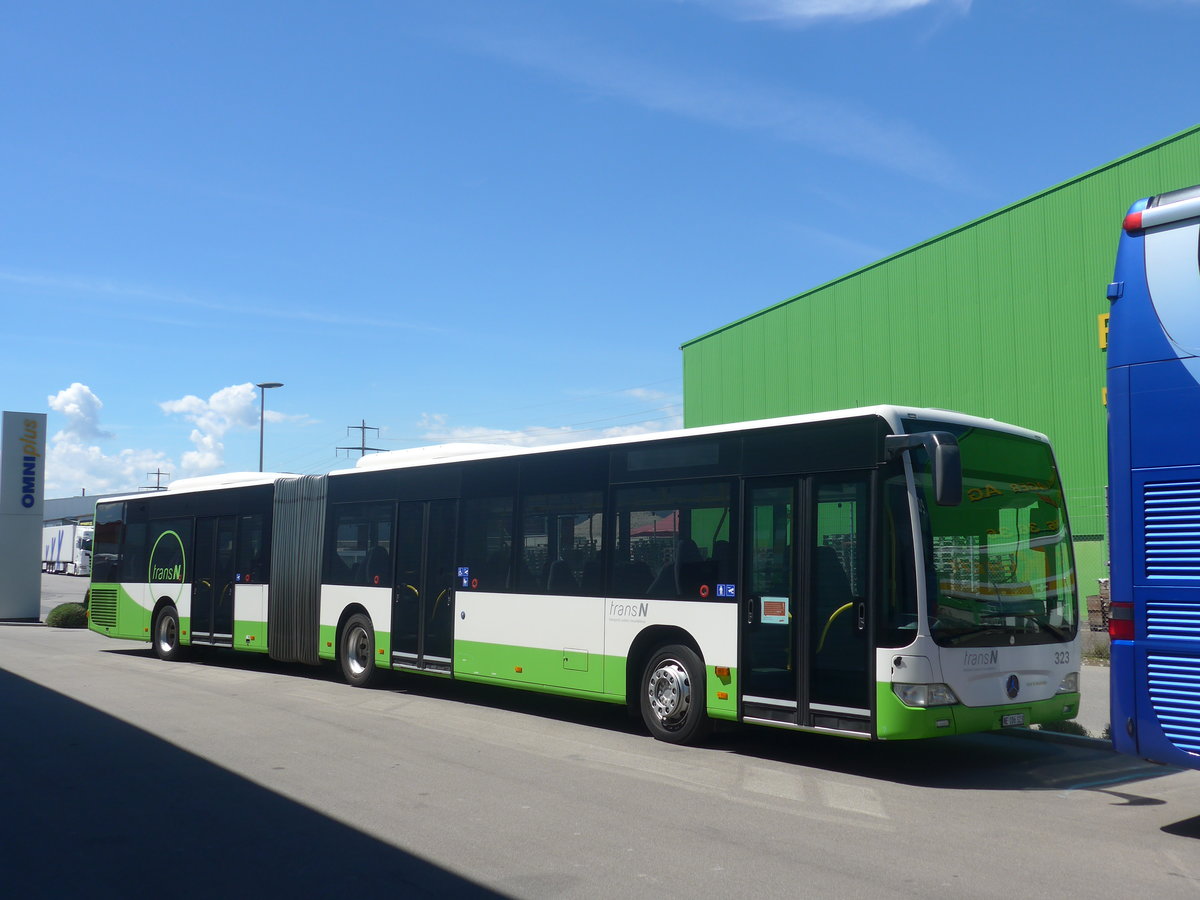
(114, 613)
(572, 672)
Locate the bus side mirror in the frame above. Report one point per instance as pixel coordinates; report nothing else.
(942, 448)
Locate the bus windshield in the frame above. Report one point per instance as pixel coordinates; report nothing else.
(1000, 563)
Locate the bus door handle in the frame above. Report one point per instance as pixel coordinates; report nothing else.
(751, 603)
(862, 616)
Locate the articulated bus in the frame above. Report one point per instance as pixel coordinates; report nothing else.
(880, 573)
(1154, 480)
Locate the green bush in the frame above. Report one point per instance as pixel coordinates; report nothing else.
(1066, 726)
(67, 615)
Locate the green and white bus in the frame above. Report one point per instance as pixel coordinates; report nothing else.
(879, 573)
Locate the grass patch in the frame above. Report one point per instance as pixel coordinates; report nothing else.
(1101, 653)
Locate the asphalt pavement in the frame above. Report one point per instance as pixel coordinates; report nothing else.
(1093, 703)
(283, 781)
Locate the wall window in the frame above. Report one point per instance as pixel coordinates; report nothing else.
(362, 549)
(561, 540)
(673, 541)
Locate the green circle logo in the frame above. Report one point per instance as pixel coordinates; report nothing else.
(168, 563)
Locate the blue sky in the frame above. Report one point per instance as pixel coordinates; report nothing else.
(470, 220)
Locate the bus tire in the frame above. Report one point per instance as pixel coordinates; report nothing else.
(356, 651)
(672, 696)
(166, 634)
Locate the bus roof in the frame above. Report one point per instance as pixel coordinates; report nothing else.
(456, 452)
(893, 415)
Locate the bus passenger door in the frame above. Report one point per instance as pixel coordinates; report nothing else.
(841, 655)
(806, 653)
(422, 600)
(212, 580)
(771, 615)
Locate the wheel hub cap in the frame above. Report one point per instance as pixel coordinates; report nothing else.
(670, 691)
(358, 651)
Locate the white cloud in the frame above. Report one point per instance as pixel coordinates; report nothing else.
(72, 466)
(82, 409)
(75, 463)
(233, 407)
(803, 12)
(230, 407)
(825, 125)
(436, 427)
(137, 297)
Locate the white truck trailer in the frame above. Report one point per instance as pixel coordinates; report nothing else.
(67, 549)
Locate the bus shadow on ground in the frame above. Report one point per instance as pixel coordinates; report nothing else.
(94, 806)
(998, 761)
(1185, 828)
(989, 761)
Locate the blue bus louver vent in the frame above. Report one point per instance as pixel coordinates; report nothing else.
(1174, 683)
(1166, 619)
(1172, 513)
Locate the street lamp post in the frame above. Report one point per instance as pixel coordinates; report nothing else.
(262, 412)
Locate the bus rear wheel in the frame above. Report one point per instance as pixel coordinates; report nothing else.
(357, 651)
(673, 698)
(166, 634)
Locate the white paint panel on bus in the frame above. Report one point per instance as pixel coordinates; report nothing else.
(983, 676)
(377, 601)
(250, 602)
(906, 668)
(148, 595)
(713, 625)
(546, 622)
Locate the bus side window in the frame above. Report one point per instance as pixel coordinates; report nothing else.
(561, 541)
(487, 543)
(673, 541)
(253, 554)
(361, 551)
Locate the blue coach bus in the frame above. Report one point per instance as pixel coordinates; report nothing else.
(1154, 480)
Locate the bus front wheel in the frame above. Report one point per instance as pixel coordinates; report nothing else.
(673, 697)
(358, 651)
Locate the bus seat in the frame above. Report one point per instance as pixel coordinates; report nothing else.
(631, 579)
(691, 568)
(561, 579)
(722, 553)
(833, 587)
(591, 579)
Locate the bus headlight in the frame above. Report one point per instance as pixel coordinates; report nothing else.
(1069, 684)
(923, 695)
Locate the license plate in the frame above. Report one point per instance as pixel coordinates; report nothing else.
(1014, 719)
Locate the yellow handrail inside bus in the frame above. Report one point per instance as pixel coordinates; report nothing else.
(837, 612)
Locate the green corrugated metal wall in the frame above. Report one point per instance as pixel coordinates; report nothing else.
(997, 318)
